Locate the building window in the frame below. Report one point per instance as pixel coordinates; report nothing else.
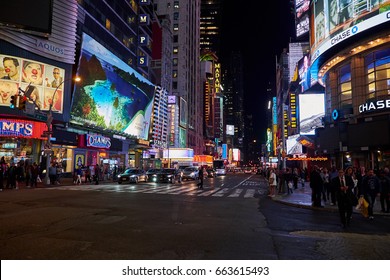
(175, 50)
(175, 62)
(345, 86)
(174, 85)
(108, 24)
(176, 4)
(174, 74)
(175, 15)
(175, 27)
(377, 67)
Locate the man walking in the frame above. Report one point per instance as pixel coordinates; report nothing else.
(343, 186)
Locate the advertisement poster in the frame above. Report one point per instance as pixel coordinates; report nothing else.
(111, 95)
(46, 82)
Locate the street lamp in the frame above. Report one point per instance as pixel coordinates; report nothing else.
(48, 147)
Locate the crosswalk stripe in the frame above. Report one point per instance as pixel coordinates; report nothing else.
(236, 193)
(165, 189)
(222, 192)
(249, 193)
(206, 193)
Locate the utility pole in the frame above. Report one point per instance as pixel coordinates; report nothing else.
(48, 145)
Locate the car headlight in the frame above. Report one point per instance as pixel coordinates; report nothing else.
(169, 176)
(119, 176)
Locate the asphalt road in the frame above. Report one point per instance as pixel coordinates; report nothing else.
(232, 218)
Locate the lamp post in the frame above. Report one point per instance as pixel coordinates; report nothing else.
(48, 147)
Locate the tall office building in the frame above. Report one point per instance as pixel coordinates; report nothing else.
(234, 102)
(210, 22)
(186, 85)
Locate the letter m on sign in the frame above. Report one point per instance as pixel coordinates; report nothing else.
(144, 19)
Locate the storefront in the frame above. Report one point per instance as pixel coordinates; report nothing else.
(21, 140)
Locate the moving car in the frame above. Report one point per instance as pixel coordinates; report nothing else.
(191, 173)
(132, 175)
(167, 175)
(151, 172)
(211, 173)
(248, 170)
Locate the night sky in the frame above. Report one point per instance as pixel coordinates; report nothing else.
(260, 34)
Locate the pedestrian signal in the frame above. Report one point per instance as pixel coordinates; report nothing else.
(14, 103)
(22, 103)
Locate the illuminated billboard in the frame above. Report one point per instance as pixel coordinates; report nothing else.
(229, 129)
(45, 80)
(302, 17)
(311, 112)
(111, 94)
(293, 146)
(334, 21)
(304, 72)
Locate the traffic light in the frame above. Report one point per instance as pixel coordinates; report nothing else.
(22, 103)
(14, 103)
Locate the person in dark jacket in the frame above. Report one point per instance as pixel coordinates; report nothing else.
(385, 191)
(201, 178)
(97, 174)
(371, 188)
(343, 186)
(316, 185)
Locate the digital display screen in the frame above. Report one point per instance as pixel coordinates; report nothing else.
(111, 94)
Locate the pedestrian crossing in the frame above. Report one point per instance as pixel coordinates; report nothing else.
(167, 189)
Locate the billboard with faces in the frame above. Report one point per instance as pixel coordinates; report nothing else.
(45, 82)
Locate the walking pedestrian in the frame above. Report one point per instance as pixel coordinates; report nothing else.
(88, 174)
(272, 182)
(316, 186)
(34, 175)
(78, 175)
(3, 168)
(97, 174)
(200, 178)
(384, 192)
(370, 190)
(343, 186)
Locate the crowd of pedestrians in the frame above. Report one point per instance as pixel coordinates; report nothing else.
(28, 174)
(23, 173)
(333, 186)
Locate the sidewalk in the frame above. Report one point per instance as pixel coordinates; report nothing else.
(301, 197)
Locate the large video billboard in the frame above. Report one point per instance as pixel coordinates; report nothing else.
(311, 112)
(302, 17)
(334, 21)
(111, 94)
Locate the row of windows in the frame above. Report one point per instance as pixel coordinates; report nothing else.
(377, 78)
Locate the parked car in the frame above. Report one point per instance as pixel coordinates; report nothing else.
(132, 175)
(151, 172)
(191, 173)
(211, 173)
(167, 175)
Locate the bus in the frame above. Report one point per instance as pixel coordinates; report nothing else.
(219, 166)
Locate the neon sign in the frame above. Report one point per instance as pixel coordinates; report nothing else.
(98, 141)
